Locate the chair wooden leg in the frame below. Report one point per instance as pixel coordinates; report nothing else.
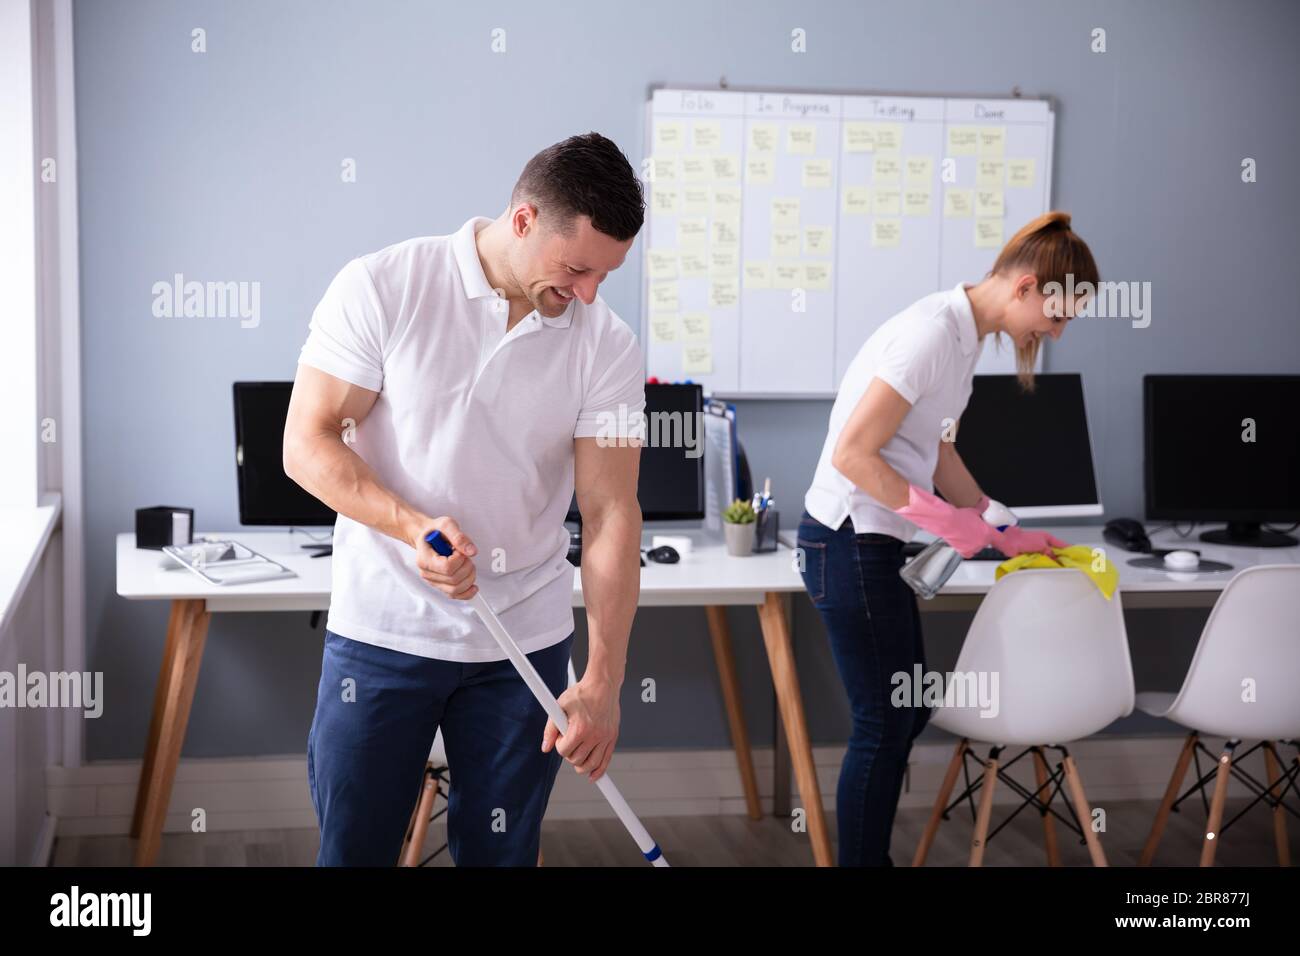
(1211, 841)
(420, 821)
(1274, 767)
(1166, 804)
(1049, 825)
(725, 658)
(1083, 811)
(945, 792)
(980, 837)
(540, 860)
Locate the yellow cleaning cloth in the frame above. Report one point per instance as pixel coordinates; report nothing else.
(1075, 556)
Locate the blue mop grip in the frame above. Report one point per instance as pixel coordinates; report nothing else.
(438, 541)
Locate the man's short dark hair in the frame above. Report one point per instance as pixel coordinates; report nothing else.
(584, 176)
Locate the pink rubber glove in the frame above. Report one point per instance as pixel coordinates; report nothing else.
(1016, 541)
(963, 528)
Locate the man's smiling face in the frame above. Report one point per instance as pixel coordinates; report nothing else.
(554, 265)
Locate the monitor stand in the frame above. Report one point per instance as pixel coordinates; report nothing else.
(1249, 534)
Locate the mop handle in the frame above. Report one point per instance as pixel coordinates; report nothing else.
(524, 666)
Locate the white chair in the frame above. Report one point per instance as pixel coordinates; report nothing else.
(1243, 684)
(1060, 653)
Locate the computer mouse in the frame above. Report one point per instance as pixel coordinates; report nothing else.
(664, 554)
(1182, 560)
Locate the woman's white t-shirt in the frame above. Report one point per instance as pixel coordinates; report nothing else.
(927, 353)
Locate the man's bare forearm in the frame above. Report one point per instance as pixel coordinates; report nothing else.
(611, 585)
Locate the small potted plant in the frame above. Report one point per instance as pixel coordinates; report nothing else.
(738, 525)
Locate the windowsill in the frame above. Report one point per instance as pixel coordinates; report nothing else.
(27, 532)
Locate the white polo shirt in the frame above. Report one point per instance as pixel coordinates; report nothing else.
(927, 353)
(471, 422)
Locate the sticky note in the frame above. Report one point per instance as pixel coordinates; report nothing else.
(663, 169)
(693, 263)
(695, 200)
(663, 264)
(726, 167)
(888, 137)
(785, 212)
(724, 263)
(816, 174)
(725, 233)
(785, 242)
(817, 275)
(988, 203)
(762, 137)
(988, 173)
(963, 140)
(724, 293)
(886, 233)
(958, 203)
(663, 327)
(695, 326)
(801, 139)
(726, 201)
(857, 201)
(665, 200)
(988, 233)
(668, 136)
(1020, 173)
(916, 202)
(886, 202)
(817, 241)
(706, 135)
(697, 360)
(787, 275)
(886, 170)
(758, 274)
(758, 170)
(993, 140)
(692, 231)
(695, 169)
(859, 137)
(920, 170)
(663, 297)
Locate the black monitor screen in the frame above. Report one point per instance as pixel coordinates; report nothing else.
(267, 496)
(1030, 450)
(1222, 447)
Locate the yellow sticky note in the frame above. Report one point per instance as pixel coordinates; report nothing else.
(988, 173)
(785, 213)
(993, 140)
(724, 263)
(888, 137)
(817, 241)
(758, 170)
(859, 137)
(695, 169)
(693, 263)
(706, 135)
(787, 275)
(762, 137)
(801, 139)
(816, 174)
(887, 202)
(886, 170)
(958, 203)
(920, 170)
(663, 169)
(725, 233)
(785, 243)
(726, 201)
(663, 264)
(726, 167)
(758, 274)
(886, 233)
(817, 275)
(668, 136)
(857, 201)
(663, 297)
(724, 293)
(988, 233)
(963, 140)
(663, 327)
(697, 360)
(988, 203)
(695, 200)
(916, 202)
(692, 231)
(1020, 173)
(695, 326)
(665, 200)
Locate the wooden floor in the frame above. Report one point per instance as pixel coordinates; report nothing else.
(739, 841)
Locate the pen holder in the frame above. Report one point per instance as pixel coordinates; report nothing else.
(769, 526)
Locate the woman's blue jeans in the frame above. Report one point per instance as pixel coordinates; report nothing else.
(874, 628)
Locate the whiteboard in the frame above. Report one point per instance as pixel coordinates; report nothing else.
(784, 228)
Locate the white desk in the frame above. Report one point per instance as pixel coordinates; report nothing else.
(707, 578)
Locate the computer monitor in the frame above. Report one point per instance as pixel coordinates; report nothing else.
(1031, 450)
(1224, 448)
(267, 496)
(671, 482)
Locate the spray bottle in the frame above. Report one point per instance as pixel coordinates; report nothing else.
(930, 570)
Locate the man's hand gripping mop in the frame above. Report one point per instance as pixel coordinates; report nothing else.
(524, 666)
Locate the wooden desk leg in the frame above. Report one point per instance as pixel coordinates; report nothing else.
(155, 722)
(720, 633)
(176, 682)
(780, 656)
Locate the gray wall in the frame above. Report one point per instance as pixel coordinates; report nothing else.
(225, 166)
